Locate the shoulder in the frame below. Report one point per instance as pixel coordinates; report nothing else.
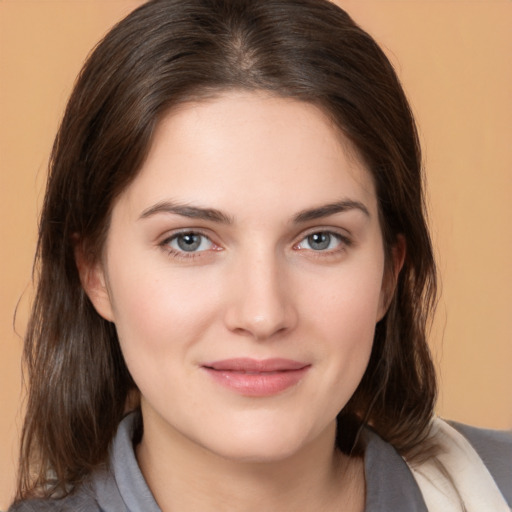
(79, 502)
(390, 485)
(495, 449)
(117, 486)
(99, 493)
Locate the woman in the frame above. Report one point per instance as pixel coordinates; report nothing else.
(233, 251)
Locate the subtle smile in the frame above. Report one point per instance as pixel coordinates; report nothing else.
(257, 378)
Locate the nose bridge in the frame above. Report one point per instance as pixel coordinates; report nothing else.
(262, 304)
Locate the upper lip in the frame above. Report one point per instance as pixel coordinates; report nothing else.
(247, 364)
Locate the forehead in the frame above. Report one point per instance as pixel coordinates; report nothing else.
(250, 148)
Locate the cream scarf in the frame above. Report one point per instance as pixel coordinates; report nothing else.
(472, 479)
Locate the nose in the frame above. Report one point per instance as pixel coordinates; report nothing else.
(261, 302)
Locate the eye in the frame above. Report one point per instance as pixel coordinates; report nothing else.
(322, 241)
(189, 242)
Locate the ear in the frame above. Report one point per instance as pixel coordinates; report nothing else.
(391, 274)
(94, 282)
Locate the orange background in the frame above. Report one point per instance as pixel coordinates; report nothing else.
(454, 59)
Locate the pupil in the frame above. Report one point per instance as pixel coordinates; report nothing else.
(319, 241)
(189, 242)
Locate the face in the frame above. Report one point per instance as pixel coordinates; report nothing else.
(243, 270)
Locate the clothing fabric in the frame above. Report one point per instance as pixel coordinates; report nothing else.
(470, 480)
(390, 485)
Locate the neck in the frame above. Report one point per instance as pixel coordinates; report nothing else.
(184, 476)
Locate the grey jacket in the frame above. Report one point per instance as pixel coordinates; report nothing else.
(390, 486)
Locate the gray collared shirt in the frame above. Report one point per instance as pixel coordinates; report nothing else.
(390, 486)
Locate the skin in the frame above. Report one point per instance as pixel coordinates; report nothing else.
(256, 286)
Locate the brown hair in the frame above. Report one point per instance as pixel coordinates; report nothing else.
(172, 51)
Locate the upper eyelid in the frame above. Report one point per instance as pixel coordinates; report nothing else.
(170, 241)
(182, 255)
(340, 232)
(166, 237)
(338, 236)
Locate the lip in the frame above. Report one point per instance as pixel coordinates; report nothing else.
(257, 378)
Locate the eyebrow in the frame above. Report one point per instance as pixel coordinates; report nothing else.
(330, 209)
(192, 212)
(212, 214)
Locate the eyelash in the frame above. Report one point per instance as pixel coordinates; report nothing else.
(344, 243)
(165, 244)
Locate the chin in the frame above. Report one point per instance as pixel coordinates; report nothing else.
(258, 443)
(258, 451)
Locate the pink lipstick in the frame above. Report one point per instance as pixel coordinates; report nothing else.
(252, 377)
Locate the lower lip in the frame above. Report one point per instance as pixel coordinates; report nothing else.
(258, 384)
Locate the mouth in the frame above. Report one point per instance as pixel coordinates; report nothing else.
(257, 378)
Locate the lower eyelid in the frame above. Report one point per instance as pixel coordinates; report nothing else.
(343, 240)
(177, 253)
(203, 239)
(343, 243)
(182, 254)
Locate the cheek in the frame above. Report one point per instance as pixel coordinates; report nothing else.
(158, 313)
(343, 313)
(348, 302)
